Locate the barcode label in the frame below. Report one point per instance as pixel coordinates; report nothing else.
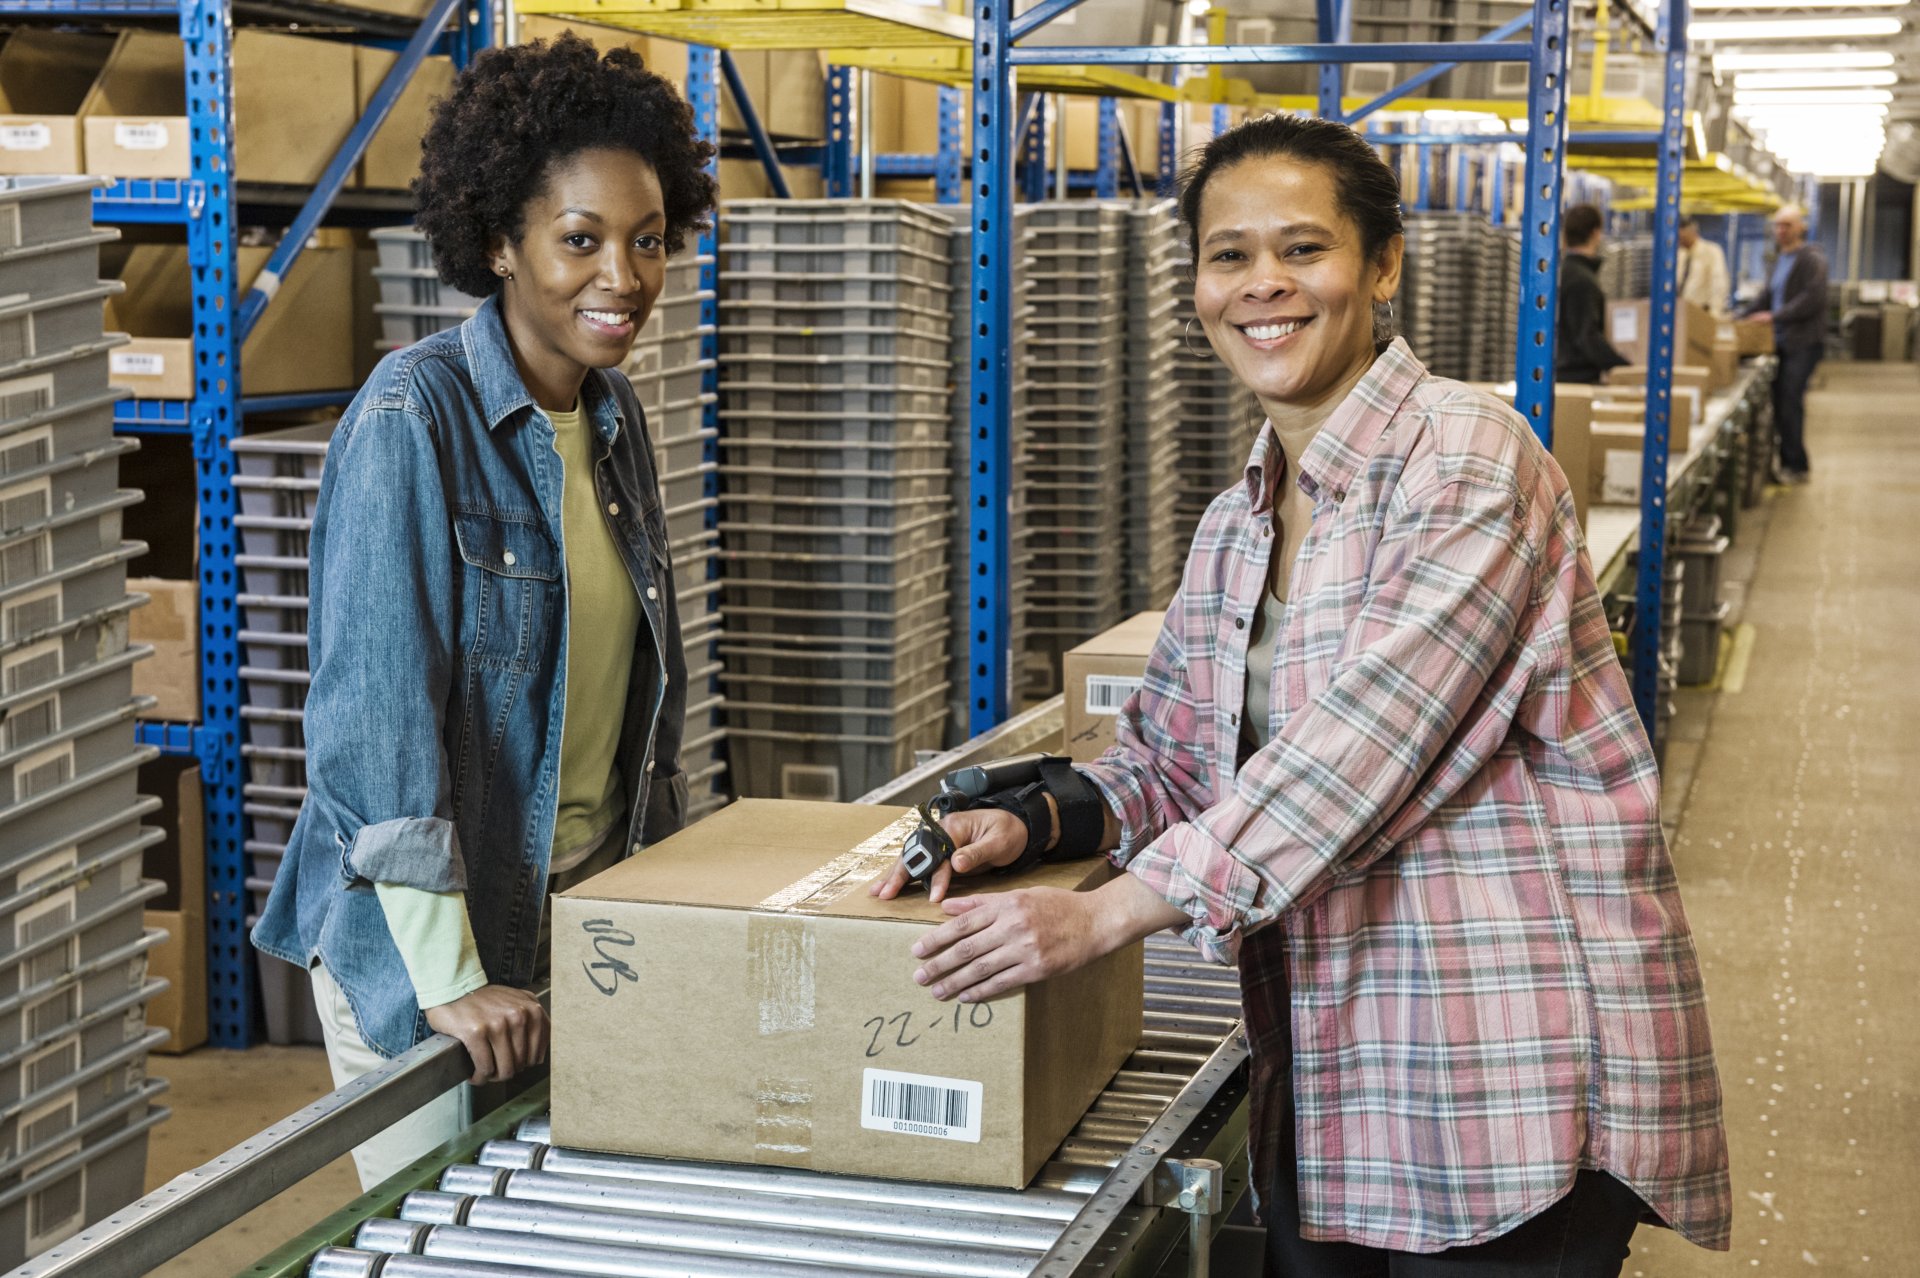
(136, 364)
(1107, 693)
(920, 1105)
(143, 135)
(25, 137)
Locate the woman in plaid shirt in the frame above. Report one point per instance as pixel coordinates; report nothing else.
(1386, 760)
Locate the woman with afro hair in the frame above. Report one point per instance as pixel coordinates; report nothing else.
(470, 748)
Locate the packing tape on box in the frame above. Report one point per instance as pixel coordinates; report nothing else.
(783, 1121)
(830, 882)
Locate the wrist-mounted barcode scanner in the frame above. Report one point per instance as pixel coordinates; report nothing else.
(1020, 785)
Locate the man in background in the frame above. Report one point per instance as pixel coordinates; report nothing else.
(1702, 270)
(1583, 353)
(1795, 299)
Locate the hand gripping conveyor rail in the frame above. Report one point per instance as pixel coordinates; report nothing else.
(1160, 1157)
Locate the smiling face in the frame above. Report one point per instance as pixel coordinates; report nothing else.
(585, 272)
(1283, 285)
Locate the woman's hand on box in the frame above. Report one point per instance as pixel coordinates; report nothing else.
(504, 1029)
(987, 839)
(1002, 941)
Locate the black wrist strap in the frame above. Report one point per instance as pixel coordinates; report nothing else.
(1083, 813)
(1029, 803)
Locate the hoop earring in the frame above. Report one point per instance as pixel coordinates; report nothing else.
(1389, 312)
(1187, 340)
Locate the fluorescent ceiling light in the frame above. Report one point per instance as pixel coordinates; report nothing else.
(1811, 97)
(1814, 79)
(1799, 61)
(1797, 4)
(1793, 29)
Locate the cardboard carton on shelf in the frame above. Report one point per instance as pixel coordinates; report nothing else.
(1753, 337)
(1629, 329)
(293, 104)
(303, 341)
(1619, 448)
(170, 622)
(392, 159)
(735, 995)
(44, 78)
(1099, 676)
(179, 861)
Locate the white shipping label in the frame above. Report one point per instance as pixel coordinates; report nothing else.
(136, 364)
(1621, 483)
(140, 135)
(25, 137)
(920, 1105)
(1107, 693)
(1626, 325)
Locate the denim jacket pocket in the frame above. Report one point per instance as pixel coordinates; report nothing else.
(513, 572)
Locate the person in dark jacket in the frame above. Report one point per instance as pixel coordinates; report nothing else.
(1583, 352)
(1795, 299)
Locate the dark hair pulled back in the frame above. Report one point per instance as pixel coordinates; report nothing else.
(1365, 186)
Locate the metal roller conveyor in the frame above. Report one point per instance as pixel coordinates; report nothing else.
(1159, 1157)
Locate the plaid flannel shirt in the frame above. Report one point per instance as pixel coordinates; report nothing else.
(1454, 834)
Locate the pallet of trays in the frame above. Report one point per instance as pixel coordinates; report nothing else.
(1155, 268)
(1440, 294)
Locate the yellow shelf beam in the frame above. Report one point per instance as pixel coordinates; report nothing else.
(954, 66)
(771, 24)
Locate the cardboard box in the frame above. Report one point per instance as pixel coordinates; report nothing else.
(1723, 365)
(170, 621)
(392, 159)
(45, 76)
(734, 994)
(1753, 337)
(1690, 395)
(303, 341)
(1628, 331)
(1573, 443)
(180, 862)
(747, 180)
(1099, 676)
(1618, 451)
(293, 104)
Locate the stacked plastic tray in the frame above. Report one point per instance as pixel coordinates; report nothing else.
(1626, 267)
(670, 379)
(1218, 422)
(413, 302)
(1442, 294)
(1029, 678)
(75, 1101)
(1156, 279)
(837, 491)
(1075, 351)
(1500, 300)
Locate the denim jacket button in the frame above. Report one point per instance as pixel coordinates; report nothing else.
(613, 508)
(647, 766)
(652, 593)
(636, 849)
(508, 557)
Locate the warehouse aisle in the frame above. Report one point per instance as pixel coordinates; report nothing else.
(1797, 856)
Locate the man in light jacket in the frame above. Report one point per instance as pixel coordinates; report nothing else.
(1795, 299)
(1702, 270)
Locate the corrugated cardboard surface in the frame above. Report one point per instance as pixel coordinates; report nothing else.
(44, 77)
(392, 160)
(180, 863)
(1628, 329)
(725, 994)
(135, 118)
(303, 341)
(1117, 660)
(1753, 337)
(170, 622)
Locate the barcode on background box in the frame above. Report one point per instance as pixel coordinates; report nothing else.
(920, 1105)
(1107, 693)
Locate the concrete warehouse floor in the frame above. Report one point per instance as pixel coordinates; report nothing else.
(1792, 807)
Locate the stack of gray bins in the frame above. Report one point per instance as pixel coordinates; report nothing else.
(1155, 281)
(1626, 267)
(1075, 350)
(1499, 300)
(1441, 293)
(670, 379)
(1218, 421)
(413, 302)
(836, 491)
(75, 1100)
(1029, 678)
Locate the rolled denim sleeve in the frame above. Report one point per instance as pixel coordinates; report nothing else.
(381, 638)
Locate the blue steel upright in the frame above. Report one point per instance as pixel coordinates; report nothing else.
(1106, 178)
(1650, 587)
(1540, 218)
(206, 29)
(948, 160)
(1168, 182)
(836, 158)
(1333, 22)
(989, 377)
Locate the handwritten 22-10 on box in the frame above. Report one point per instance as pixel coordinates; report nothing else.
(734, 994)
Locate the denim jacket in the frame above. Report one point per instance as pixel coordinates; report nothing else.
(438, 644)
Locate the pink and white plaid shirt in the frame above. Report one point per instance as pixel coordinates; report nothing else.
(1454, 834)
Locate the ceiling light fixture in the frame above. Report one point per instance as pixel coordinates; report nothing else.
(1792, 29)
(1724, 62)
(1814, 79)
(1798, 4)
(1811, 97)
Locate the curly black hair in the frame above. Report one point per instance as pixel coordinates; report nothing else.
(516, 112)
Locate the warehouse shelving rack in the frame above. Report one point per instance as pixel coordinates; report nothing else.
(207, 206)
